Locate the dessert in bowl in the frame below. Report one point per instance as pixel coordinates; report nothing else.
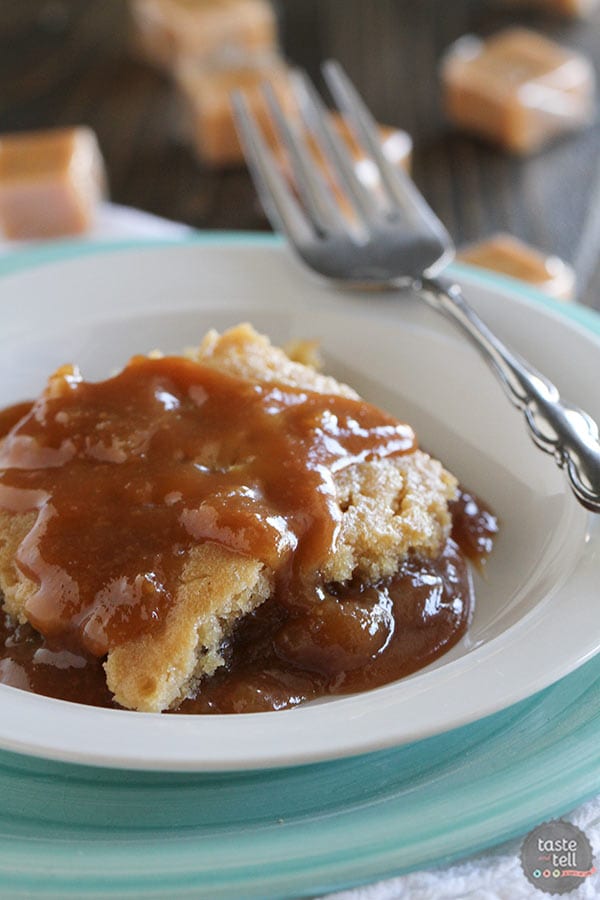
(225, 531)
(534, 619)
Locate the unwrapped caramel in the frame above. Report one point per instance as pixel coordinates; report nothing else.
(211, 32)
(505, 253)
(517, 89)
(50, 182)
(207, 93)
(575, 8)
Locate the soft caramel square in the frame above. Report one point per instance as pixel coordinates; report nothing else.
(50, 182)
(573, 8)
(517, 89)
(211, 32)
(208, 100)
(510, 256)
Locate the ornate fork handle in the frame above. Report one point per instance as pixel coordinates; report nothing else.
(564, 431)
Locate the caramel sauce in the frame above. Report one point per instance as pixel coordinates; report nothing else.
(128, 474)
(10, 416)
(357, 638)
(31, 663)
(474, 527)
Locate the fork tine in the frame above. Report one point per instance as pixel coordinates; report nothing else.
(310, 183)
(278, 201)
(400, 188)
(316, 117)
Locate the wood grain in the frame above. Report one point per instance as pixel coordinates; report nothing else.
(69, 61)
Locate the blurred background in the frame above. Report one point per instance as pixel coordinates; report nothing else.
(68, 62)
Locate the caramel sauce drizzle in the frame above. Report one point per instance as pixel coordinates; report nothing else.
(127, 474)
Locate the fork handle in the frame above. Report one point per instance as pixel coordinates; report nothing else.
(564, 431)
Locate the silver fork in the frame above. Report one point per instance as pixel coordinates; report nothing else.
(392, 237)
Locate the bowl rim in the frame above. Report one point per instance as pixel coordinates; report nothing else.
(24, 262)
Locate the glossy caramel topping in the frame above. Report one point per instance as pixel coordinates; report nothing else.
(474, 526)
(359, 637)
(127, 474)
(50, 182)
(13, 414)
(356, 638)
(31, 663)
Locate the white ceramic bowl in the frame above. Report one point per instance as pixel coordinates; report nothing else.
(537, 611)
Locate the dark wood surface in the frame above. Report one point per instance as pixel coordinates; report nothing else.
(68, 61)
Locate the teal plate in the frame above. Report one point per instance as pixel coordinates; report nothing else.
(70, 831)
(75, 831)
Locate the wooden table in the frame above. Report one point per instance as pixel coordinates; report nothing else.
(68, 61)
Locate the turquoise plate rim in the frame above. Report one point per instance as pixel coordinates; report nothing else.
(302, 830)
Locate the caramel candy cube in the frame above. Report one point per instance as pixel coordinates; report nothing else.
(572, 8)
(211, 32)
(50, 182)
(208, 95)
(517, 89)
(505, 253)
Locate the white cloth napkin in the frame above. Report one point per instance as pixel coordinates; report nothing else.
(114, 222)
(495, 875)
